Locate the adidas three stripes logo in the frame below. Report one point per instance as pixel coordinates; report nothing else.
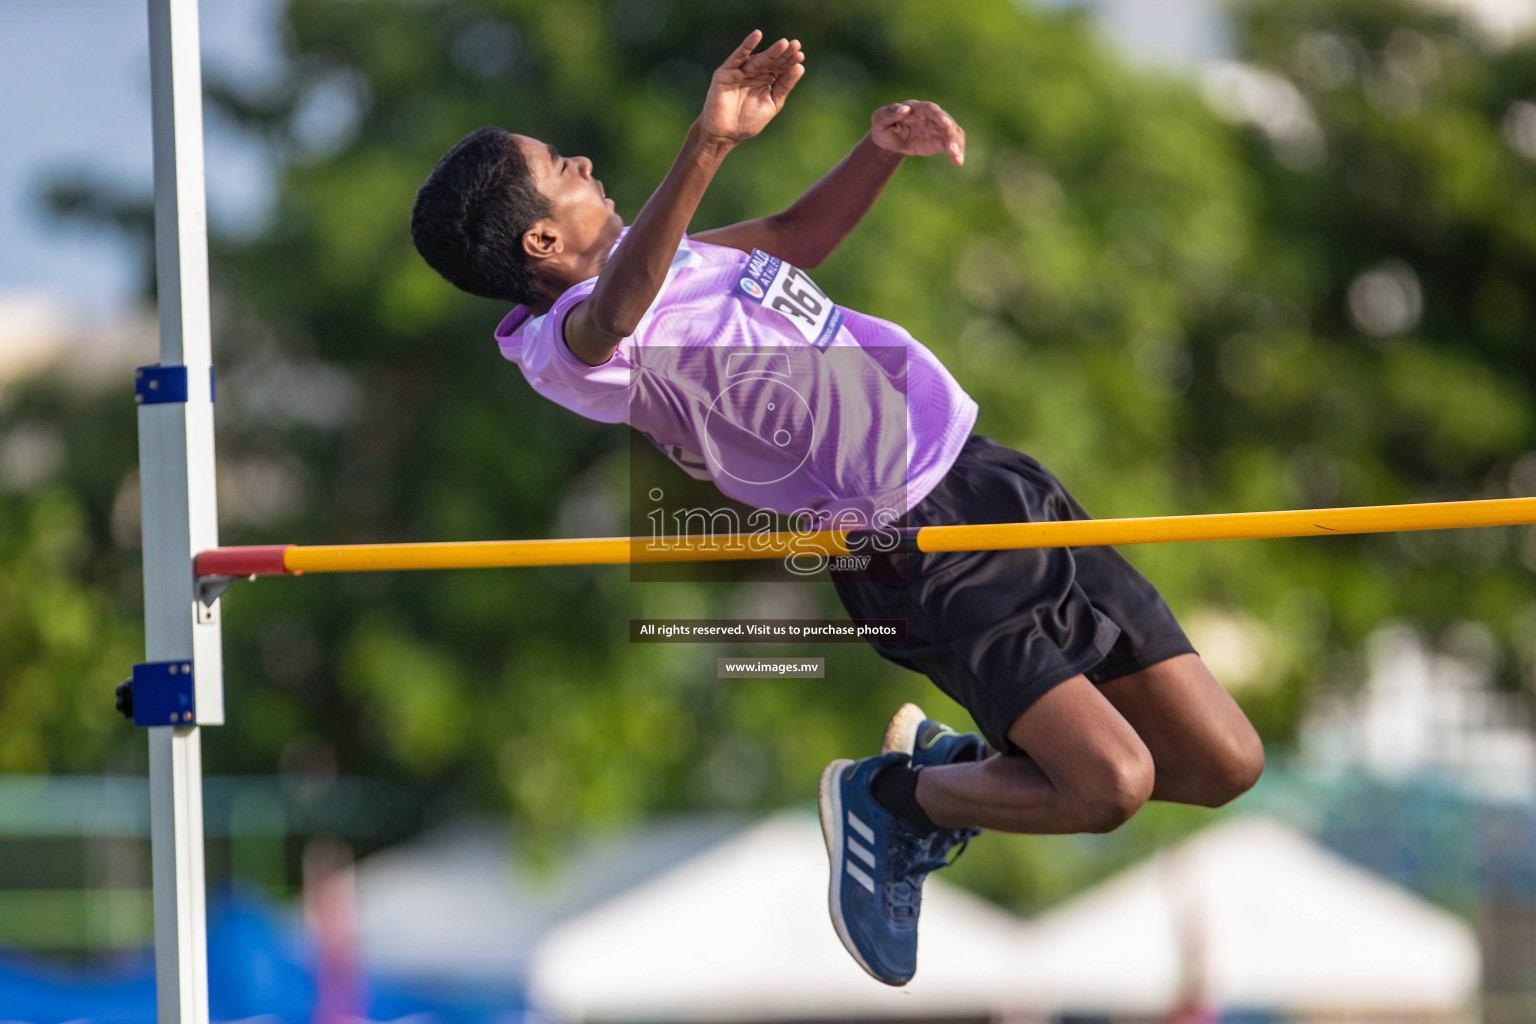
(864, 853)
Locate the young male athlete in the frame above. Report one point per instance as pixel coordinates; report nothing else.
(1089, 696)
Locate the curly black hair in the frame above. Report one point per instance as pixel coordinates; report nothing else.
(471, 213)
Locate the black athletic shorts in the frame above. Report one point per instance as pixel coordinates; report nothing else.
(996, 629)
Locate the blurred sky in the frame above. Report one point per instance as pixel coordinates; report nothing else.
(76, 74)
(76, 77)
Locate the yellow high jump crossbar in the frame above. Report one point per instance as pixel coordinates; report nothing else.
(292, 559)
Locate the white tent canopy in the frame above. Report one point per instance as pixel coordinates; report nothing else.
(720, 923)
(740, 932)
(1251, 914)
(457, 906)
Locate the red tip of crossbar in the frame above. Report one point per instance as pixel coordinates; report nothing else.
(258, 560)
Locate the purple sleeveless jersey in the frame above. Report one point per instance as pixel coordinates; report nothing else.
(743, 372)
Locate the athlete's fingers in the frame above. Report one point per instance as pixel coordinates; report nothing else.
(778, 58)
(889, 114)
(792, 56)
(951, 135)
(762, 56)
(769, 55)
(742, 52)
(955, 141)
(936, 114)
(921, 114)
(786, 82)
(921, 127)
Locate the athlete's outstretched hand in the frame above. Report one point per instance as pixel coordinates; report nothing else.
(918, 128)
(749, 88)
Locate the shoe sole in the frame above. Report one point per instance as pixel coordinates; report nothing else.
(901, 730)
(829, 800)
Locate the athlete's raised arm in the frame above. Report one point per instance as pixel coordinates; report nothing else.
(807, 232)
(744, 95)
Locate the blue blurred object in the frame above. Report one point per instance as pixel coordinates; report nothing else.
(258, 965)
(123, 993)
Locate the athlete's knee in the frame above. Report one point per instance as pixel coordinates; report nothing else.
(1232, 769)
(1120, 787)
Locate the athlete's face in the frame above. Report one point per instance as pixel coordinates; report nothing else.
(582, 224)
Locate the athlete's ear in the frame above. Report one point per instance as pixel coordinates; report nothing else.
(542, 240)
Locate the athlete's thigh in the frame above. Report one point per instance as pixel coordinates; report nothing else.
(1079, 739)
(1183, 715)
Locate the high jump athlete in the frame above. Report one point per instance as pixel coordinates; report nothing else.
(1089, 698)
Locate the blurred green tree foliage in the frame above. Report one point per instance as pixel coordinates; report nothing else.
(1311, 286)
(67, 593)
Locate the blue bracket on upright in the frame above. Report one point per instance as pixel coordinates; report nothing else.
(163, 694)
(155, 385)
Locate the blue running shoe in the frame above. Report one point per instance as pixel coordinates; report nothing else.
(929, 742)
(878, 867)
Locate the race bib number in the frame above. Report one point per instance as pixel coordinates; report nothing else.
(790, 292)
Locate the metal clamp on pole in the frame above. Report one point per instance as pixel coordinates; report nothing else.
(210, 589)
(160, 693)
(157, 385)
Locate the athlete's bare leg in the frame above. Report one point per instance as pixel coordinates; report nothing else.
(1204, 749)
(1087, 768)
(1087, 771)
